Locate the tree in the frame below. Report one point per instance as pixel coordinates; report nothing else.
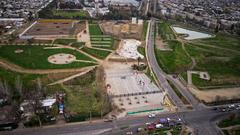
(35, 96)
(138, 60)
(19, 85)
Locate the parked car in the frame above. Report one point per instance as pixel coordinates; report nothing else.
(152, 115)
(140, 129)
(159, 126)
(129, 133)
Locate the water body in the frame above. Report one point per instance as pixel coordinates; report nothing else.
(191, 34)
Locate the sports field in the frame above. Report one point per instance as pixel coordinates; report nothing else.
(48, 28)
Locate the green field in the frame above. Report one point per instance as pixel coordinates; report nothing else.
(35, 57)
(165, 31)
(10, 77)
(145, 28)
(221, 40)
(94, 29)
(84, 94)
(101, 54)
(210, 55)
(70, 14)
(162, 131)
(141, 50)
(78, 44)
(175, 61)
(64, 41)
(212, 60)
(99, 40)
(229, 122)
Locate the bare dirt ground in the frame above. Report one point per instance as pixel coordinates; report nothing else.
(84, 36)
(122, 29)
(162, 46)
(211, 95)
(50, 28)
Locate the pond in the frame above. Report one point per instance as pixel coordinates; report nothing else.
(191, 34)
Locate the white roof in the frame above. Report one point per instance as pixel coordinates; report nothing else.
(48, 102)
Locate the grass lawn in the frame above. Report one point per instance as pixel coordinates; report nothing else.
(165, 31)
(101, 54)
(99, 40)
(64, 41)
(10, 77)
(35, 57)
(213, 63)
(225, 41)
(229, 122)
(78, 44)
(94, 29)
(84, 94)
(145, 28)
(141, 50)
(173, 61)
(162, 131)
(70, 14)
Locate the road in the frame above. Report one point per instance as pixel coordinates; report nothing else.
(160, 75)
(200, 120)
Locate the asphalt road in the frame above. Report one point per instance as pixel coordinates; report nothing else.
(160, 75)
(199, 120)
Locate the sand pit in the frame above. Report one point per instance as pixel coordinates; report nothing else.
(61, 58)
(129, 49)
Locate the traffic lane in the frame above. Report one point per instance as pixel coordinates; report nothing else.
(183, 90)
(158, 71)
(63, 129)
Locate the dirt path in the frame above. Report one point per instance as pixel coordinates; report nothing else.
(72, 48)
(194, 63)
(10, 66)
(72, 77)
(103, 49)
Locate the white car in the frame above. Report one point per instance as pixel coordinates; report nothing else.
(152, 115)
(148, 123)
(159, 126)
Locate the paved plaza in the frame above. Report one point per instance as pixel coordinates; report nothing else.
(130, 89)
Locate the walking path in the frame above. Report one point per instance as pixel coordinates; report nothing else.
(72, 77)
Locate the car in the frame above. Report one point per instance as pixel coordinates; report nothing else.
(129, 133)
(179, 121)
(159, 126)
(140, 129)
(231, 106)
(152, 115)
(148, 123)
(151, 127)
(108, 120)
